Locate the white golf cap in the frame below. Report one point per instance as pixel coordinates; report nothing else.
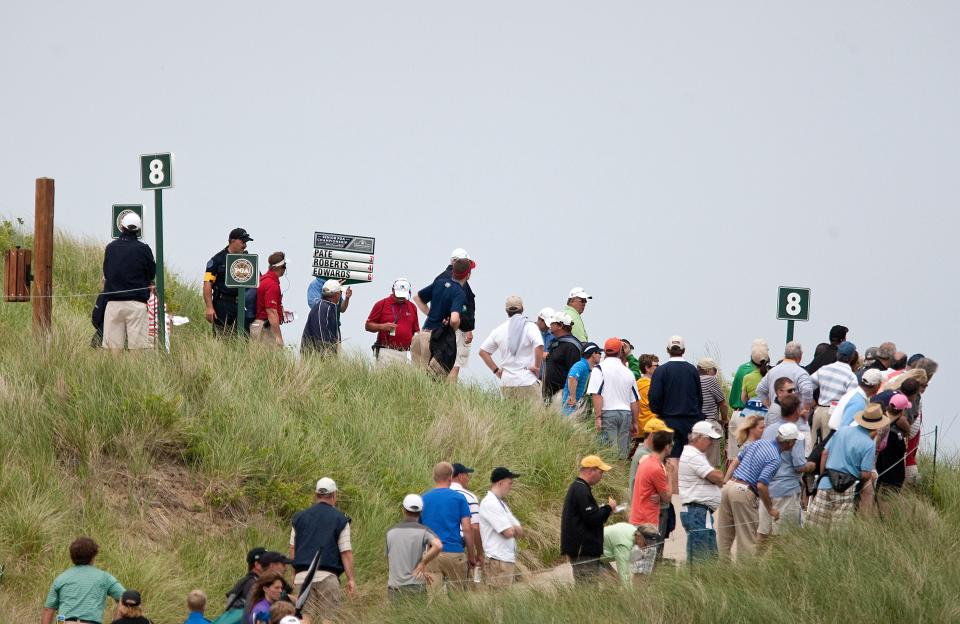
(290, 619)
(705, 428)
(331, 286)
(326, 485)
(579, 293)
(459, 253)
(131, 221)
(546, 314)
(677, 341)
(871, 378)
(401, 288)
(561, 317)
(788, 431)
(413, 502)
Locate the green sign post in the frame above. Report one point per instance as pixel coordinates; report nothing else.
(122, 210)
(156, 174)
(793, 304)
(242, 274)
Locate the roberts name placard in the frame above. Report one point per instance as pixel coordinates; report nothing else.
(343, 257)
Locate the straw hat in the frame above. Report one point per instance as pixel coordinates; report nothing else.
(872, 417)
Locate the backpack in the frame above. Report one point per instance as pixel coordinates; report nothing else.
(571, 339)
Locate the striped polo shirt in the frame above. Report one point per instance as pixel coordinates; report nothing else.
(80, 593)
(834, 381)
(758, 462)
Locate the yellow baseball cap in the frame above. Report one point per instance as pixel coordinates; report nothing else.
(654, 425)
(593, 461)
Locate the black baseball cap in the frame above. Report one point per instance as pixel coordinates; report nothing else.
(130, 598)
(254, 555)
(459, 469)
(589, 348)
(240, 233)
(272, 556)
(501, 473)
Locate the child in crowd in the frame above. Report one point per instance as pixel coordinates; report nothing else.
(197, 604)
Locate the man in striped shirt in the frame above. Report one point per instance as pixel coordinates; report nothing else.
(461, 481)
(789, 367)
(738, 516)
(834, 381)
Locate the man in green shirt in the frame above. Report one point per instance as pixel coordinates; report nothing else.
(80, 592)
(632, 362)
(576, 303)
(618, 542)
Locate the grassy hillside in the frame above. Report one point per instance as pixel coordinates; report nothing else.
(178, 464)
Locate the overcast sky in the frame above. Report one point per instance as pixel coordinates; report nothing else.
(677, 160)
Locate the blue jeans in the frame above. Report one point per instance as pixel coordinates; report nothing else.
(701, 542)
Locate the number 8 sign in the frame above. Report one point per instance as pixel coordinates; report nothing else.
(156, 171)
(793, 304)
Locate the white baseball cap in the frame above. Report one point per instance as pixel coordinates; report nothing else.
(871, 378)
(459, 253)
(413, 502)
(331, 286)
(131, 221)
(290, 619)
(326, 485)
(561, 317)
(547, 315)
(788, 431)
(401, 288)
(705, 428)
(677, 341)
(579, 293)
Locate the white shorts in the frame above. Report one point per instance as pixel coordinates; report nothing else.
(463, 350)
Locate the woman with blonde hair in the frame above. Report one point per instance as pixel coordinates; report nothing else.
(130, 609)
(749, 431)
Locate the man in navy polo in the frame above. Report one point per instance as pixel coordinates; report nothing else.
(442, 302)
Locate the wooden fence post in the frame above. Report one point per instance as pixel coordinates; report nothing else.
(43, 257)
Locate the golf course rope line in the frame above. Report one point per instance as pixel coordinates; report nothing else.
(96, 294)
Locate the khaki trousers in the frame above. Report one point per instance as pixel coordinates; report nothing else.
(821, 416)
(448, 570)
(125, 323)
(323, 603)
(737, 519)
(527, 393)
(263, 335)
(499, 574)
(388, 357)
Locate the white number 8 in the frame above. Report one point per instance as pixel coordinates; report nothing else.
(156, 171)
(793, 304)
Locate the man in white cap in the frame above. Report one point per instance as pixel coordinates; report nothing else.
(699, 483)
(848, 458)
(576, 304)
(394, 320)
(321, 333)
(566, 352)
(520, 348)
(323, 529)
(128, 273)
(785, 484)
(468, 314)
(856, 399)
(410, 547)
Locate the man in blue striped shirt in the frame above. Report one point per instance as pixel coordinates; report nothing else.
(738, 516)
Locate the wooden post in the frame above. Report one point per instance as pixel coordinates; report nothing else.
(43, 257)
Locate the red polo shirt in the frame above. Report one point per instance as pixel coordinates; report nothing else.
(401, 312)
(269, 296)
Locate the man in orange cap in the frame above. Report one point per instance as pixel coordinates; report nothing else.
(582, 520)
(616, 403)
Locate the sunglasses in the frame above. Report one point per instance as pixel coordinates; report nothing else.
(790, 390)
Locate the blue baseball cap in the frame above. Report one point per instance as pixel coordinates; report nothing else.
(846, 349)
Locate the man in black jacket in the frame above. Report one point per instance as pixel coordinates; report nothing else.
(581, 525)
(128, 272)
(565, 351)
(468, 315)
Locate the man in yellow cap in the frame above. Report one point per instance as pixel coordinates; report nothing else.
(650, 427)
(581, 524)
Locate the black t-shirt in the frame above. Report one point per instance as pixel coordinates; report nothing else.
(241, 590)
(563, 355)
(132, 620)
(217, 268)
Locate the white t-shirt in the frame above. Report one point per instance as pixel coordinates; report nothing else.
(516, 368)
(692, 479)
(614, 383)
(495, 517)
(836, 416)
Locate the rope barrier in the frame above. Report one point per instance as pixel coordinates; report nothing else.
(96, 294)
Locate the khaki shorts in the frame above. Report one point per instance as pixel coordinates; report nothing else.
(789, 508)
(463, 350)
(388, 357)
(324, 599)
(261, 334)
(499, 574)
(125, 323)
(448, 572)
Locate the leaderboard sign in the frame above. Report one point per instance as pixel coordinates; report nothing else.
(343, 257)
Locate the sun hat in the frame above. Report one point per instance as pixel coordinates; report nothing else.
(654, 425)
(872, 417)
(593, 461)
(413, 502)
(703, 427)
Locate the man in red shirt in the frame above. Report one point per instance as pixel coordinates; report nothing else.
(650, 486)
(394, 319)
(266, 328)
